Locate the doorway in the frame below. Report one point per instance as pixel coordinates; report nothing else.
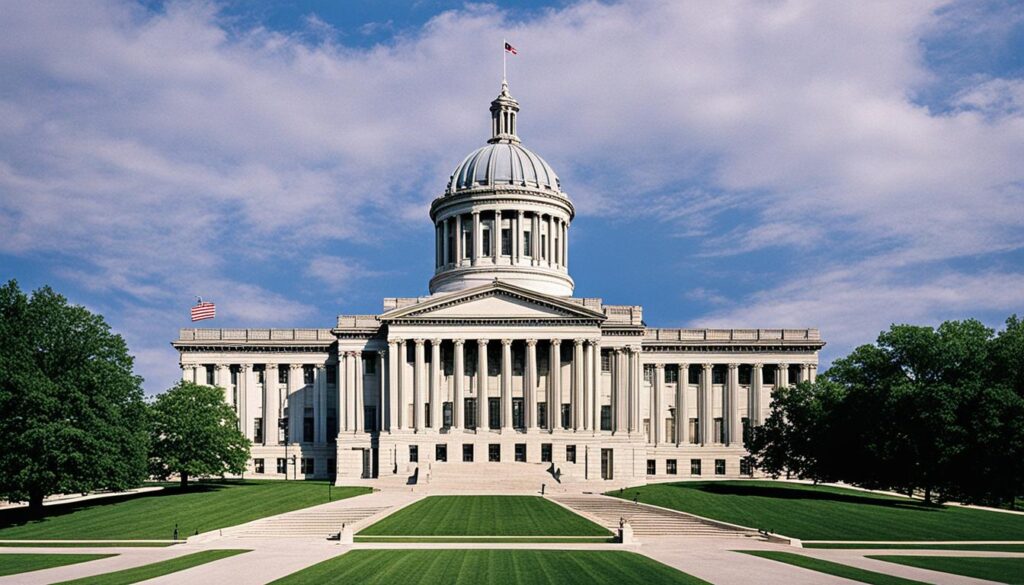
(606, 464)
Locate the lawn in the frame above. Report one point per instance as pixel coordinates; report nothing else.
(489, 567)
(484, 516)
(1001, 569)
(97, 544)
(866, 546)
(830, 568)
(14, 563)
(828, 513)
(152, 570)
(153, 515)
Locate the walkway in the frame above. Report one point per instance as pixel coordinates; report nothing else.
(646, 520)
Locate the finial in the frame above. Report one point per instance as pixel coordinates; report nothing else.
(504, 110)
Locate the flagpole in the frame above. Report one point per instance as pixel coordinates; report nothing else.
(504, 58)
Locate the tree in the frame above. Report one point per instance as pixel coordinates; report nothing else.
(194, 432)
(72, 415)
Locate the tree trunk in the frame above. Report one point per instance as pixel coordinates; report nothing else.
(35, 503)
(927, 494)
(184, 480)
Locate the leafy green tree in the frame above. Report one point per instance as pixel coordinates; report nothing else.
(72, 415)
(194, 432)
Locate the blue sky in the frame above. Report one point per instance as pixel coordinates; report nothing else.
(733, 164)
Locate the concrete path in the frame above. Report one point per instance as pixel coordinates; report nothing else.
(126, 558)
(71, 498)
(858, 558)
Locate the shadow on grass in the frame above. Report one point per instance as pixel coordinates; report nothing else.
(822, 493)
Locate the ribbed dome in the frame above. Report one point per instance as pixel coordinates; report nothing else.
(504, 163)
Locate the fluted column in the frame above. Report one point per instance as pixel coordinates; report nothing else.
(321, 403)
(519, 236)
(580, 418)
(656, 390)
(381, 390)
(555, 384)
(637, 371)
(704, 420)
(445, 248)
(477, 247)
(805, 372)
(392, 385)
(530, 385)
(271, 405)
(595, 368)
(682, 412)
(458, 240)
(782, 376)
(357, 423)
(459, 373)
(590, 398)
(296, 406)
(401, 392)
(735, 429)
(565, 245)
(346, 391)
(506, 384)
(550, 253)
(222, 375)
(482, 414)
(417, 386)
(496, 234)
(620, 408)
(812, 372)
(247, 382)
(535, 239)
(435, 383)
(756, 382)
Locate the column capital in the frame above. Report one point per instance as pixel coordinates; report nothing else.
(399, 341)
(243, 367)
(617, 350)
(320, 365)
(595, 342)
(733, 366)
(482, 342)
(659, 366)
(294, 366)
(707, 366)
(635, 348)
(419, 342)
(531, 342)
(506, 342)
(435, 342)
(382, 352)
(519, 213)
(459, 342)
(782, 365)
(683, 365)
(556, 342)
(757, 365)
(579, 342)
(476, 212)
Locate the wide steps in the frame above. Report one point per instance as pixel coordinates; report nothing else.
(317, 523)
(646, 520)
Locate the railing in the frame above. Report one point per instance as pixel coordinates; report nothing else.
(733, 334)
(357, 321)
(255, 335)
(632, 314)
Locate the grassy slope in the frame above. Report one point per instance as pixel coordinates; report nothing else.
(484, 516)
(1001, 569)
(489, 567)
(827, 513)
(15, 563)
(103, 544)
(136, 574)
(830, 568)
(987, 547)
(206, 506)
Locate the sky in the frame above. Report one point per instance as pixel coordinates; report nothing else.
(839, 165)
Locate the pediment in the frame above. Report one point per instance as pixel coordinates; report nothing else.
(495, 301)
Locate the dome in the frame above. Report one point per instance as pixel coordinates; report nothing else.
(504, 163)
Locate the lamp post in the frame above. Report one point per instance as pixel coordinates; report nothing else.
(282, 423)
(294, 469)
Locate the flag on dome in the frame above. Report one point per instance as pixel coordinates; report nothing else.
(203, 310)
(511, 49)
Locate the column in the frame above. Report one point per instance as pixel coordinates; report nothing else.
(595, 369)
(401, 392)
(637, 372)
(519, 236)
(580, 416)
(782, 376)
(805, 372)
(506, 384)
(482, 416)
(734, 432)
(381, 391)
(295, 403)
(445, 249)
(812, 372)
(459, 370)
(435, 383)
(458, 240)
(530, 385)
(346, 391)
(565, 245)
(704, 420)
(754, 406)
(223, 379)
(477, 246)
(496, 234)
(417, 386)
(271, 405)
(321, 404)
(682, 414)
(536, 239)
(247, 381)
(618, 398)
(555, 384)
(392, 385)
(357, 424)
(656, 390)
(591, 399)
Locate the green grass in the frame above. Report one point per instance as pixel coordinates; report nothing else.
(12, 564)
(489, 567)
(828, 513)
(152, 570)
(486, 539)
(99, 544)
(1001, 569)
(484, 516)
(864, 546)
(830, 568)
(152, 515)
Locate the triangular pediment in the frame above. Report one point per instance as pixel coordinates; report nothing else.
(497, 301)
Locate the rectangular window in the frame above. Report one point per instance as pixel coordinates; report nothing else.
(671, 374)
(746, 466)
(414, 453)
(647, 429)
(745, 374)
(518, 413)
(485, 247)
(282, 375)
(506, 241)
(719, 466)
(259, 371)
(570, 453)
(209, 375)
(566, 415)
(494, 452)
(649, 373)
(308, 466)
(307, 426)
(451, 244)
(768, 374)
(545, 452)
(670, 466)
(494, 412)
(527, 243)
(470, 412)
(652, 467)
(446, 415)
(282, 465)
(467, 243)
(694, 466)
(718, 375)
(606, 417)
(441, 452)
(606, 361)
(258, 465)
(257, 430)
(521, 452)
(718, 430)
(542, 415)
(694, 375)
(467, 453)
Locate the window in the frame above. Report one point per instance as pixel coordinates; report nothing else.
(308, 466)
(606, 361)
(694, 430)
(441, 452)
(542, 415)
(719, 466)
(485, 248)
(426, 414)
(282, 465)
(451, 243)
(506, 241)
(545, 452)
(606, 417)
(257, 430)
(527, 243)
(258, 465)
(694, 375)
(518, 413)
(282, 375)
(745, 422)
(566, 416)
(744, 374)
(414, 453)
(768, 374)
(570, 453)
(670, 466)
(718, 375)
(467, 241)
(286, 429)
(718, 430)
(307, 426)
(671, 374)
(652, 467)
(259, 371)
(647, 429)
(649, 373)
(694, 466)
(494, 452)
(470, 413)
(209, 375)
(307, 374)
(544, 246)
(446, 415)
(467, 453)
(494, 412)
(746, 466)
(521, 452)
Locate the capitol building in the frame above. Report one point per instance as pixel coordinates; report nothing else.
(500, 365)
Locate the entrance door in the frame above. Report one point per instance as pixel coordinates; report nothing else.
(606, 464)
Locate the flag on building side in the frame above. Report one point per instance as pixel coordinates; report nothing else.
(509, 48)
(204, 310)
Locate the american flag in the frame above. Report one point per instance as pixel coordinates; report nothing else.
(511, 49)
(204, 310)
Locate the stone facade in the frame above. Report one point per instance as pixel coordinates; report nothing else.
(500, 361)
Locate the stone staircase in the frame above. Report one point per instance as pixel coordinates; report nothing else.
(316, 523)
(491, 477)
(647, 520)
